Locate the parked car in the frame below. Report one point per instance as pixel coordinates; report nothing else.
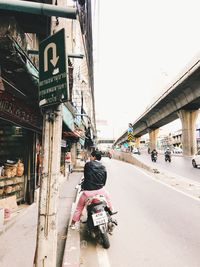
(136, 151)
(196, 159)
(177, 150)
(106, 154)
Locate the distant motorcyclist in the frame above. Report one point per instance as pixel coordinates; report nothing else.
(154, 155)
(167, 151)
(168, 155)
(109, 154)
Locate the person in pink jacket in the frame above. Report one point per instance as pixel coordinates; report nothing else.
(95, 176)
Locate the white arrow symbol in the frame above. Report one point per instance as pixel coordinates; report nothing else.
(54, 60)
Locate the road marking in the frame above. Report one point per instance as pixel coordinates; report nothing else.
(164, 183)
(102, 256)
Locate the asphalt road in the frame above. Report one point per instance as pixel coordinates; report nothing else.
(158, 225)
(179, 165)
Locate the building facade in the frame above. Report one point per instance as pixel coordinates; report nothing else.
(21, 118)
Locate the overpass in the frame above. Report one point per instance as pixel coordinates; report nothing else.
(180, 100)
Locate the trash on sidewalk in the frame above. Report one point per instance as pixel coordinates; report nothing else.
(1, 218)
(7, 213)
(7, 206)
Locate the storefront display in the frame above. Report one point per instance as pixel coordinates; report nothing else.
(15, 144)
(12, 155)
(12, 180)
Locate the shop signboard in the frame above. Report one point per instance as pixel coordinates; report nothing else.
(15, 110)
(53, 85)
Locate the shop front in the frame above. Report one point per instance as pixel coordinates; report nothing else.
(20, 118)
(69, 139)
(20, 135)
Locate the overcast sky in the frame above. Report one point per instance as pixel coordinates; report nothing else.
(140, 48)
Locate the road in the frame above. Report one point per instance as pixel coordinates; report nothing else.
(179, 165)
(158, 226)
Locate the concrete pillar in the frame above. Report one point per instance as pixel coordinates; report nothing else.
(153, 133)
(188, 120)
(137, 141)
(46, 244)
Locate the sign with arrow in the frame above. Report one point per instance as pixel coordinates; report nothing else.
(53, 82)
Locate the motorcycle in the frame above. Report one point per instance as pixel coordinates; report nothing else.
(99, 220)
(167, 157)
(109, 155)
(154, 157)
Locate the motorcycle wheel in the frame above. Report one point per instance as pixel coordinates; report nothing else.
(105, 240)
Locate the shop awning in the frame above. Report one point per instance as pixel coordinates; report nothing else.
(71, 134)
(18, 70)
(68, 118)
(77, 133)
(19, 85)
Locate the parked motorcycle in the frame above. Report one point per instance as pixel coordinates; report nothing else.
(99, 220)
(167, 157)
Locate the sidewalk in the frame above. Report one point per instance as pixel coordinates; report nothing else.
(18, 238)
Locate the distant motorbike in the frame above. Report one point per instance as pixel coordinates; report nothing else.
(109, 155)
(167, 157)
(99, 220)
(154, 157)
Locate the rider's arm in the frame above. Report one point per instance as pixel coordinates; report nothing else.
(105, 177)
(86, 169)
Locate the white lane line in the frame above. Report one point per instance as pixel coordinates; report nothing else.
(167, 185)
(102, 256)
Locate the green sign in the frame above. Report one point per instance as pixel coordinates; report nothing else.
(53, 86)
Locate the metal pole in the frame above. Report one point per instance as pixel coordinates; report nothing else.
(38, 8)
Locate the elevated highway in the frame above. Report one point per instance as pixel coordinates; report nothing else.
(180, 100)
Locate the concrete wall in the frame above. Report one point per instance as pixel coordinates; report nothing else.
(127, 157)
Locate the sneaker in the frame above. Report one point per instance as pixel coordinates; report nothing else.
(73, 226)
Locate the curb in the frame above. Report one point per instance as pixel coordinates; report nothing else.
(71, 256)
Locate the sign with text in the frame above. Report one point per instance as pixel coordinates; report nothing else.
(16, 111)
(53, 85)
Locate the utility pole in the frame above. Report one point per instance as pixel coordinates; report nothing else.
(53, 75)
(46, 244)
(46, 247)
